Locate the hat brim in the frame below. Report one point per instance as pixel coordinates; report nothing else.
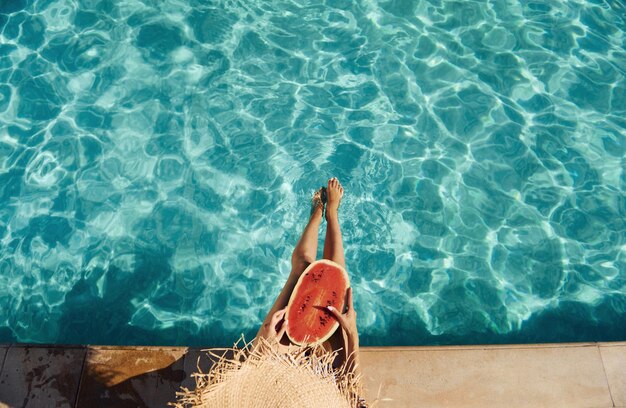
(263, 376)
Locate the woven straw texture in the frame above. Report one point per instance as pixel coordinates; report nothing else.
(263, 377)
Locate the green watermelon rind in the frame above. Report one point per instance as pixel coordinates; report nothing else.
(295, 292)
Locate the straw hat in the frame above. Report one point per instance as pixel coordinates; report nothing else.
(263, 377)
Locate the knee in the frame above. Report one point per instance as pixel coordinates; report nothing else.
(300, 262)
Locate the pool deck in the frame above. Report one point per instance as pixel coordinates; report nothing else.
(589, 375)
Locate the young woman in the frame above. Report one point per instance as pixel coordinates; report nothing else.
(273, 373)
(346, 340)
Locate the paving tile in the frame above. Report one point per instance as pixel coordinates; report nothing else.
(484, 346)
(195, 360)
(611, 343)
(614, 359)
(198, 360)
(492, 377)
(41, 376)
(139, 377)
(3, 353)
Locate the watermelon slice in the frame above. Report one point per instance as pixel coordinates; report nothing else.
(323, 283)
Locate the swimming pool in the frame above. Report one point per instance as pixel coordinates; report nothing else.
(157, 160)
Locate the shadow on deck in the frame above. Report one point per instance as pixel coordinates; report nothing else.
(547, 375)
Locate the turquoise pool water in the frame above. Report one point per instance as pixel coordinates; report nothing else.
(157, 159)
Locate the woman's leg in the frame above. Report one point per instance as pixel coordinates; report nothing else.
(303, 255)
(333, 250)
(333, 244)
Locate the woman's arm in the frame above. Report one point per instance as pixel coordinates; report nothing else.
(347, 321)
(353, 362)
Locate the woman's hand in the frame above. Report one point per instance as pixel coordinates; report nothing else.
(274, 330)
(347, 320)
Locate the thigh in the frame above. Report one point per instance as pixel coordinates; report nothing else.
(283, 297)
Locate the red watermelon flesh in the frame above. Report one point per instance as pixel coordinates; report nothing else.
(323, 283)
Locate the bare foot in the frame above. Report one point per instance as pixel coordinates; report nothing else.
(334, 193)
(317, 205)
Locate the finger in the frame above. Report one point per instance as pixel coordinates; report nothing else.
(276, 317)
(337, 315)
(282, 330)
(349, 300)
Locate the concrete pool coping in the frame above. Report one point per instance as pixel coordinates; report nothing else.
(518, 375)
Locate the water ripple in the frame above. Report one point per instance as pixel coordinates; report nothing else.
(156, 162)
